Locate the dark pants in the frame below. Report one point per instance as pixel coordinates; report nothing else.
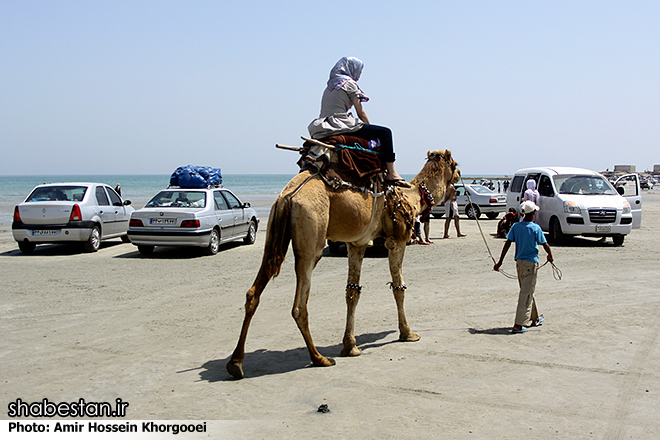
(384, 134)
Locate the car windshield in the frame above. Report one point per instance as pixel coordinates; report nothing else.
(178, 199)
(57, 193)
(579, 184)
(480, 189)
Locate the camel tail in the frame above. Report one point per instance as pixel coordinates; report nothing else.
(278, 237)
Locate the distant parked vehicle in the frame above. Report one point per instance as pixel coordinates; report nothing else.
(577, 201)
(484, 201)
(202, 217)
(70, 212)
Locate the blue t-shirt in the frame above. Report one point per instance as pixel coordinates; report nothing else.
(527, 236)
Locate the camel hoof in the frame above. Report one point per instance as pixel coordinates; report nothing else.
(412, 337)
(354, 351)
(235, 368)
(324, 362)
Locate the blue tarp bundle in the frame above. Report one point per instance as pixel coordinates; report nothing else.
(191, 176)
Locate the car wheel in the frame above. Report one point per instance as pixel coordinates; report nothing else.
(26, 247)
(214, 243)
(93, 243)
(618, 239)
(472, 211)
(146, 250)
(125, 238)
(492, 215)
(251, 236)
(556, 234)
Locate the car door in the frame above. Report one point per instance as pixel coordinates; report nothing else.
(225, 217)
(461, 198)
(240, 222)
(632, 192)
(120, 221)
(106, 212)
(547, 202)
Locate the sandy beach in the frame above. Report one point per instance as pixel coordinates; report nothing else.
(156, 332)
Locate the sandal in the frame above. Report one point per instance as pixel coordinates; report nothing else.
(401, 183)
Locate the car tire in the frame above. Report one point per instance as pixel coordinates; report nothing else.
(251, 236)
(26, 247)
(618, 239)
(125, 238)
(472, 211)
(214, 243)
(556, 234)
(492, 215)
(93, 243)
(146, 250)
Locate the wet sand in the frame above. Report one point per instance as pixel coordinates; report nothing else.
(157, 332)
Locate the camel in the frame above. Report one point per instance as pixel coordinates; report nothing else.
(308, 212)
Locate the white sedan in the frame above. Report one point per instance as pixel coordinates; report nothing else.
(70, 212)
(484, 201)
(204, 217)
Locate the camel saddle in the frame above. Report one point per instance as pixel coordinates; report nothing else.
(353, 160)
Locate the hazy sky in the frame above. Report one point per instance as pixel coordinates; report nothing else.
(114, 87)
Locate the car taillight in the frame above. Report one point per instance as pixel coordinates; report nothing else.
(17, 215)
(492, 201)
(190, 224)
(135, 222)
(76, 215)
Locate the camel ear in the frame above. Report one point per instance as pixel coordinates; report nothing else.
(448, 154)
(428, 154)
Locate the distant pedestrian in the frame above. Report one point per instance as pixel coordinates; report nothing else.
(451, 211)
(506, 185)
(527, 235)
(118, 189)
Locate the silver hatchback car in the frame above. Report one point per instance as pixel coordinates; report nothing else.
(202, 217)
(70, 212)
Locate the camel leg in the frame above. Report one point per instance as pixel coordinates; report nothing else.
(235, 364)
(355, 258)
(396, 252)
(304, 267)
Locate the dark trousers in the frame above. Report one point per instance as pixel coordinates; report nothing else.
(384, 134)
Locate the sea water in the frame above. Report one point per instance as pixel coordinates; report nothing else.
(260, 190)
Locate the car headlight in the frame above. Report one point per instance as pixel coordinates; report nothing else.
(626, 207)
(571, 207)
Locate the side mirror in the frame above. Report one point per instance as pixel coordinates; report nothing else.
(246, 205)
(620, 190)
(127, 202)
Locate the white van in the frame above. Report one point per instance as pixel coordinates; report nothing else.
(577, 201)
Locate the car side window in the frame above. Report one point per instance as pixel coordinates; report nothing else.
(231, 199)
(114, 198)
(516, 184)
(545, 187)
(460, 191)
(220, 202)
(101, 197)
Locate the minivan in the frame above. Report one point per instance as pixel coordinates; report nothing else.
(577, 201)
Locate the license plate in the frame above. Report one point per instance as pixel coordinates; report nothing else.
(162, 221)
(44, 233)
(603, 229)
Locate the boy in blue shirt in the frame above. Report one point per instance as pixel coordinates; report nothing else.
(527, 235)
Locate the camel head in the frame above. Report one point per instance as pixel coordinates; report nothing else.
(439, 171)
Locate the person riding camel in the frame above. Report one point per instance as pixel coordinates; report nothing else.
(341, 94)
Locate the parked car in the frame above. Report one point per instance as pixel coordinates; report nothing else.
(577, 201)
(71, 212)
(484, 201)
(204, 217)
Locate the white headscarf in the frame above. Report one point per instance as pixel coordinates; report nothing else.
(347, 68)
(531, 194)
